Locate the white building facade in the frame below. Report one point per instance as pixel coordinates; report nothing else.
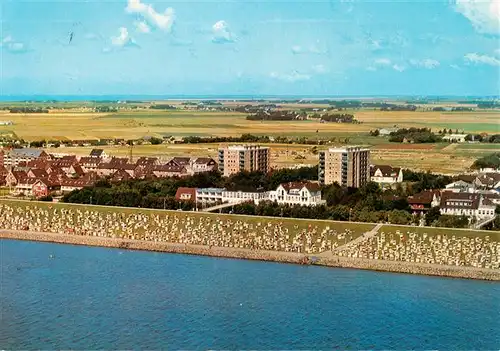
(384, 174)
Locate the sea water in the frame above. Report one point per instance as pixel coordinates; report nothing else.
(74, 297)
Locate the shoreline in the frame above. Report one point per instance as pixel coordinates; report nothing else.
(324, 259)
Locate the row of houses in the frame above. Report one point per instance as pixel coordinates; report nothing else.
(98, 161)
(36, 183)
(293, 193)
(231, 160)
(33, 172)
(474, 196)
(472, 205)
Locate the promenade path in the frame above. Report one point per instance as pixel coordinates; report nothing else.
(481, 224)
(219, 207)
(359, 239)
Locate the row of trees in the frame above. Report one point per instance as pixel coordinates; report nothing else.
(425, 135)
(336, 213)
(415, 135)
(366, 204)
(244, 138)
(389, 107)
(488, 161)
(162, 107)
(276, 115)
(105, 109)
(483, 138)
(129, 193)
(339, 118)
(27, 110)
(250, 138)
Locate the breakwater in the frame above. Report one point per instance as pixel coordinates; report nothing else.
(256, 238)
(261, 255)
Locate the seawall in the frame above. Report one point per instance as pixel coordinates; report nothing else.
(328, 259)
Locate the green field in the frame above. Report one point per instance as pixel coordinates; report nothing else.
(77, 122)
(433, 231)
(479, 147)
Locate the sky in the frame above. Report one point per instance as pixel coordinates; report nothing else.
(250, 47)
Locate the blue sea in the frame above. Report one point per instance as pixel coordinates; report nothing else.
(74, 297)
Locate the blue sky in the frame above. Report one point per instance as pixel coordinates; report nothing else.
(342, 47)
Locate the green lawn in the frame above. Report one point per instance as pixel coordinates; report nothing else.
(294, 225)
(466, 127)
(485, 147)
(356, 228)
(433, 231)
(4, 191)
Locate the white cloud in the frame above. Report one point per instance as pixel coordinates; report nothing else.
(398, 68)
(163, 21)
(483, 14)
(222, 33)
(290, 77)
(142, 27)
(482, 59)
(455, 67)
(180, 42)
(497, 52)
(312, 49)
(123, 39)
(383, 62)
(371, 68)
(427, 63)
(375, 44)
(13, 46)
(319, 69)
(91, 36)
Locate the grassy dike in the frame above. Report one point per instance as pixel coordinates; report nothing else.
(326, 259)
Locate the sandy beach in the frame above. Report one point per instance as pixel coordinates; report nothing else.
(326, 259)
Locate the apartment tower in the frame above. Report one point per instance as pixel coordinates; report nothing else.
(234, 159)
(349, 166)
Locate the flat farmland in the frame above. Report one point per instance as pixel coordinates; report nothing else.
(432, 158)
(135, 124)
(479, 147)
(140, 123)
(469, 122)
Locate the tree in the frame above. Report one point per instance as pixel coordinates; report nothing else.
(155, 141)
(450, 221)
(432, 215)
(399, 217)
(489, 161)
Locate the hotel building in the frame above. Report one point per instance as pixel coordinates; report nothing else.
(250, 158)
(349, 166)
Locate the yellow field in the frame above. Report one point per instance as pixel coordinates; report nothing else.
(134, 124)
(445, 160)
(137, 124)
